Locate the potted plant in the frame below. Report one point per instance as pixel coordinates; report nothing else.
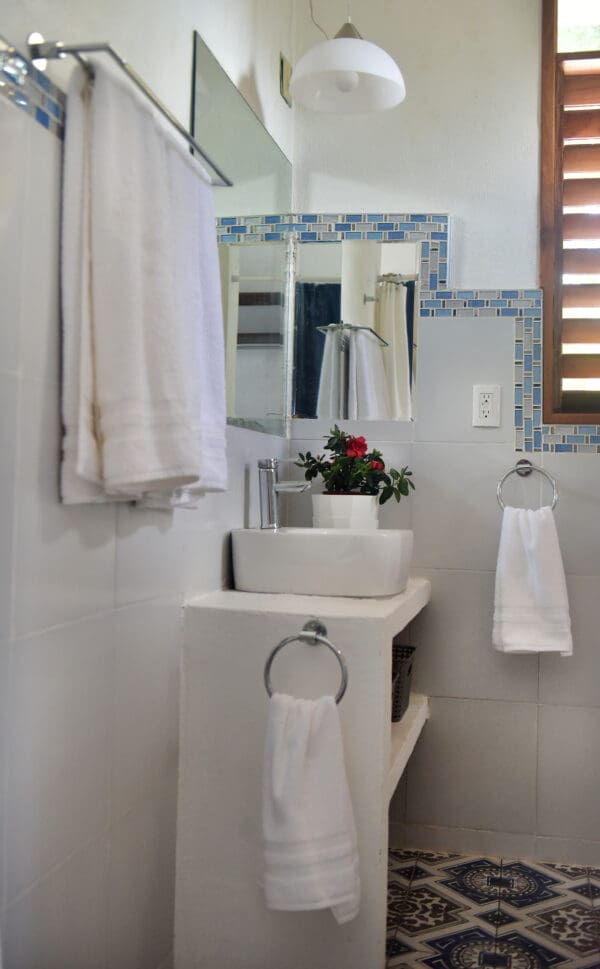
(356, 482)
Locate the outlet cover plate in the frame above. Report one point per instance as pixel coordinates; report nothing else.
(486, 405)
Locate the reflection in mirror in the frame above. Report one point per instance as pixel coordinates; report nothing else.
(253, 287)
(235, 137)
(252, 277)
(361, 369)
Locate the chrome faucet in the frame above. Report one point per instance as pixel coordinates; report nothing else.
(269, 489)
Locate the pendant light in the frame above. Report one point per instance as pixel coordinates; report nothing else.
(347, 75)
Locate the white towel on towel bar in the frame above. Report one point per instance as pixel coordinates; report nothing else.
(143, 357)
(531, 611)
(310, 848)
(368, 397)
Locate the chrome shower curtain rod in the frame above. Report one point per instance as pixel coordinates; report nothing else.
(53, 49)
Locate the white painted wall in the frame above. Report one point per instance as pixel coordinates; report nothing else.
(465, 140)
(90, 598)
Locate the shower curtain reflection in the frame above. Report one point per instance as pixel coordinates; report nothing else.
(317, 304)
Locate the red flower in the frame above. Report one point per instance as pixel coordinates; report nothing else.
(377, 465)
(356, 447)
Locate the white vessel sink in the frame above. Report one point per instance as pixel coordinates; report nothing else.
(322, 561)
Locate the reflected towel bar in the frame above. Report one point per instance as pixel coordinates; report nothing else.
(314, 632)
(340, 327)
(524, 468)
(53, 49)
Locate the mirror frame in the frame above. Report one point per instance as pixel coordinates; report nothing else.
(431, 230)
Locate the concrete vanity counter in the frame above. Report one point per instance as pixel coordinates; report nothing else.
(221, 918)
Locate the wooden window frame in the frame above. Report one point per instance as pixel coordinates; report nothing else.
(551, 220)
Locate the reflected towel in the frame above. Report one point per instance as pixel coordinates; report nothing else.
(531, 613)
(367, 385)
(328, 399)
(143, 359)
(310, 849)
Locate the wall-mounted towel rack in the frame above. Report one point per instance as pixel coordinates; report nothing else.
(315, 633)
(52, 49)
(524, 468)
(342, 327)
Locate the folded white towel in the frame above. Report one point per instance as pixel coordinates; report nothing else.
(144, 384)
(368, 397)
(310, 850)
(531, 613)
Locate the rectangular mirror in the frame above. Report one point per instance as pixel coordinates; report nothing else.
(252, 276)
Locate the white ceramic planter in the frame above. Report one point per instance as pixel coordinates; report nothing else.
(346, 511)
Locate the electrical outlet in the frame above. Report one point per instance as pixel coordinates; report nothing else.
(486, 405)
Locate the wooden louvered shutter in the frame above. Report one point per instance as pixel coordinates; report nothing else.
(570, 244)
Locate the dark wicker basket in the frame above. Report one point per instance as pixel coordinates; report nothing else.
(402, 664)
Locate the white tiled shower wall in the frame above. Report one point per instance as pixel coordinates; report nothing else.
(90, 597)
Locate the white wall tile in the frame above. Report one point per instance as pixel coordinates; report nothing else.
(148, 643)
(9, 394)
(454, 354)
(14, 132)
(150, 555)
(39, 331)
(569, 773)
(142, 884)
(60, 923)
(577, 513)
(471, 841)
(64, 554)
(455, 514)
(574, 680)
(474, 767)
(60, 711)
(453, 636)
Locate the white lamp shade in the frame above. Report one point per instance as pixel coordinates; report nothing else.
(347, 76)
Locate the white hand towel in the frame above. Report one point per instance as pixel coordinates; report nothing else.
(368, 397)
(328, 400)
(144, 387)
(310, 849)
(531, 613)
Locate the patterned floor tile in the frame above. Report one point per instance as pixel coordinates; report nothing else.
(448, 911)
(409, 873)
(522, 885)
(477, 879)
(424, 909)
(572, 925)
(589, 890)
(462, 950)
(523, 953)
(497, 917)
(568, 872)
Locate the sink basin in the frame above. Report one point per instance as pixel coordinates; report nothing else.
(322, 561)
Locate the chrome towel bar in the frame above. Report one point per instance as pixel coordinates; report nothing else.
(314, 632)
(524, 468)
(53, 49)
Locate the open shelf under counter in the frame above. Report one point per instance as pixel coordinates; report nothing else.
(405, 734)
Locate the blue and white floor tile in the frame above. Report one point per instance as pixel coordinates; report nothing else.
(448, 911)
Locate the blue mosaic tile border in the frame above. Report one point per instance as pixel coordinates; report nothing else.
(430, 230)
(31, 91)
(525, 307)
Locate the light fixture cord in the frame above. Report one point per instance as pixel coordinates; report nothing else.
(312, 17)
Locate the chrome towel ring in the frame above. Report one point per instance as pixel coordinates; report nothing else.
(524, 468)
(314, 632)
